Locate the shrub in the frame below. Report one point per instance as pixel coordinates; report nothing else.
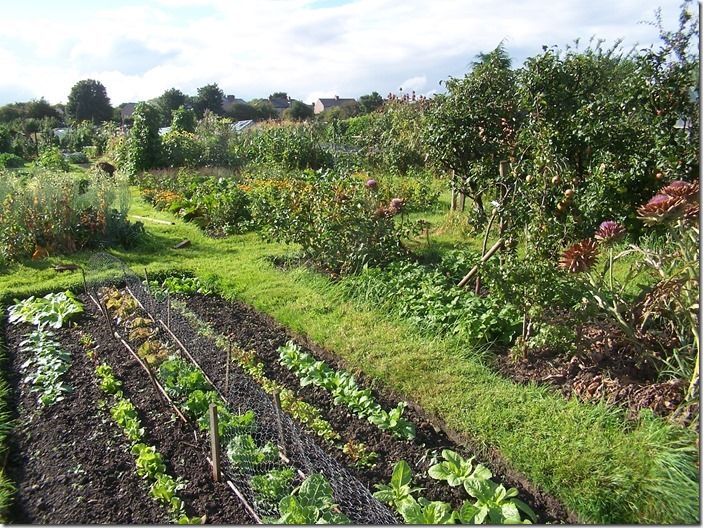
(340, 223)
(10, 161)
(53, 212)
(51, 158)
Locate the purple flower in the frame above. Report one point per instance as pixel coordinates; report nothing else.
(371, 184)
(610, 231)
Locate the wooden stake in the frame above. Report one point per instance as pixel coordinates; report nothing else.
(483, 260)
(214, 443)
(279, 423)
(168, 308)
(247, 506)
(228, 359)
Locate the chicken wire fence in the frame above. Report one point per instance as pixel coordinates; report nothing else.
(257, 439)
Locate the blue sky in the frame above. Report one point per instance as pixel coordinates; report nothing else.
(309, 48)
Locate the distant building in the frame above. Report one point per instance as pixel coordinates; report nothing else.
(280, 103)
(126, 111)
(321, 104)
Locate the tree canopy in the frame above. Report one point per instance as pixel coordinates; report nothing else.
(88, 101)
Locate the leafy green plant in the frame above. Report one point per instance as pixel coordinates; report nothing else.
(198, 402)
(46, 364)
(180, 378)
(108, 382)
(457, 470)
(164, 489)
(360, 454)
(149, 462)
(311, 503)
(399, 489)
(272, 486)
(53, 310)
(423, 511)
(125, 415)
(243, 452)
(494, 504)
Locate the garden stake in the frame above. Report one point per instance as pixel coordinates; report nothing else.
(228, 359)
(168, 309)
(247, 506)
(214, 443)
(146, 278)
(279, 424)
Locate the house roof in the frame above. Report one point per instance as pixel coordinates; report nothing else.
(334, 101)
(229, 101)
(279, 102)
(127, 110)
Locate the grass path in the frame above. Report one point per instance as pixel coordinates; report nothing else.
(601, 467)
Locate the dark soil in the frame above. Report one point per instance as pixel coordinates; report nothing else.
(175, 440)
(606, 368)
(71, 463)
(255, 331)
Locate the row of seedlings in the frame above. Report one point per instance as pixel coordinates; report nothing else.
(490, 502)
(304, 413)
(281, 494)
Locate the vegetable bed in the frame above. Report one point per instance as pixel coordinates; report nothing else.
(258, 334)
(70, 461)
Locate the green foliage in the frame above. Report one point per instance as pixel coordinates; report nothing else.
(494, 505)
(198, 402)
(399, 489)
(311, 503)
(170, 103)
(272, 486)
(52, 159)
(108, 382)
(370, 102)
(344, 390)
(54, 309)
(219, 205)
(339, 222)
(359, 454)
(125, 415)
(143, 148)
(51, 212)
(429, 299)
(289, 146)
(180, 378)
(150, 463)
(422, 511)
(10, 161)
(456, 470)
(243, 452)
(88, 101)
(298, 111)
(209, 99)
(47, 363)
(164, 489)
(180, 148)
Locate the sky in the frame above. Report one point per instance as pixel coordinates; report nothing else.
(307, 48)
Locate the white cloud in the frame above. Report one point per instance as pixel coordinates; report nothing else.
(252, 49)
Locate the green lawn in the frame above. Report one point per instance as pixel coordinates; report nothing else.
(603, 468)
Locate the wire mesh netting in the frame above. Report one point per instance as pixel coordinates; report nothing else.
(264, 452)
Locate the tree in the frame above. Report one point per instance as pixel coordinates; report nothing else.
(278, 95)
(471, 128)
(210, 98)
(370, 102)
(242, 112)
(169, 101)
(88, 100)
(40, 108)
(265, 109)
(298, 111)
(144, 142)
(183, 119)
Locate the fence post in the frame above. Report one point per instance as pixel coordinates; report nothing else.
(279, 424)
(214, 443)
(228, 360)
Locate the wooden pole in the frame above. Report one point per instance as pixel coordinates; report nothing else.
(214, 443)
(483, 260)
(279, 424)
(228, 360)
(168, 308)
